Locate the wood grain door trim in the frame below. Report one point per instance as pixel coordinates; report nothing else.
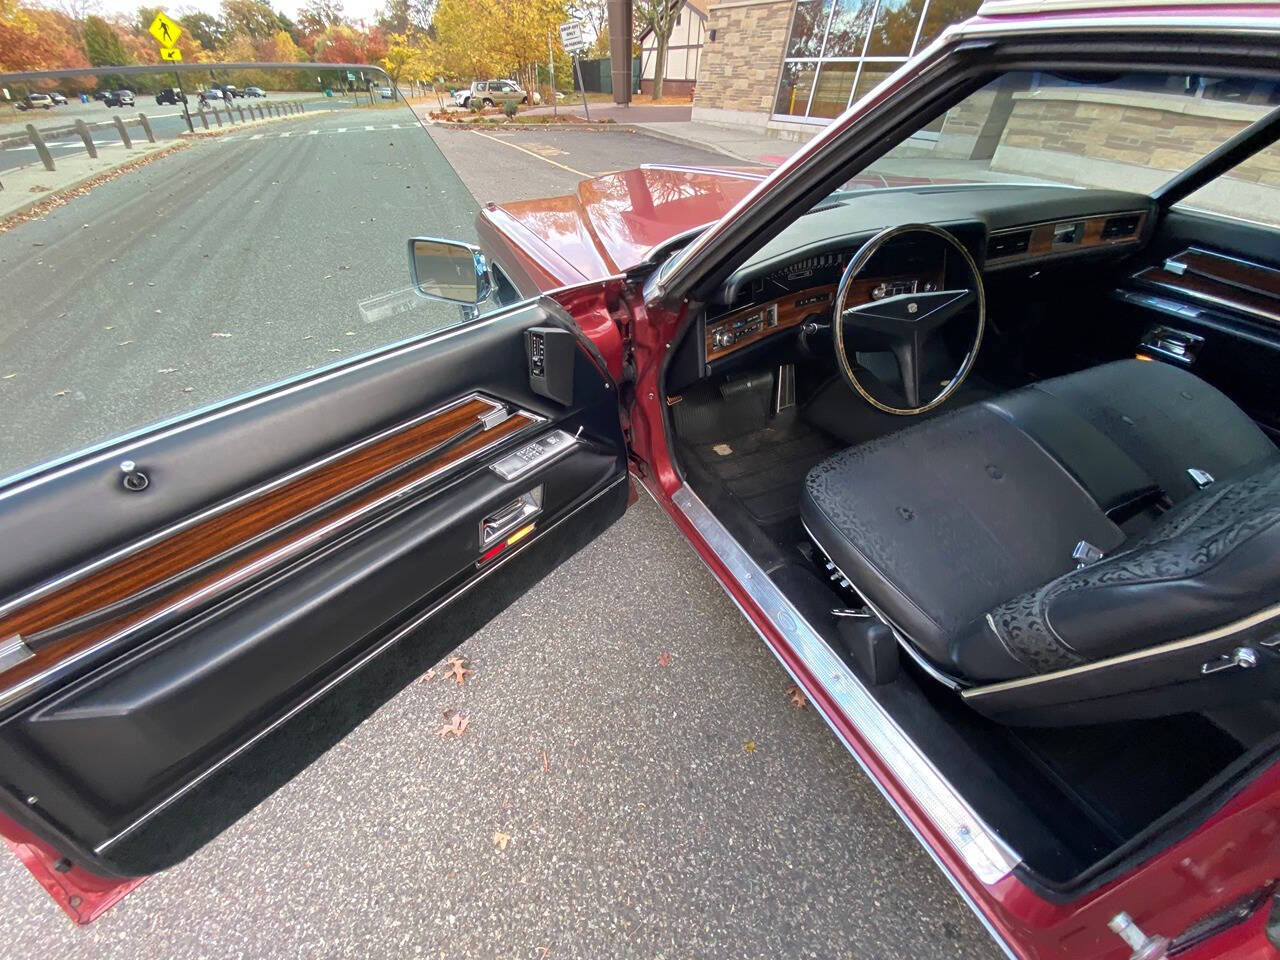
(280, 520)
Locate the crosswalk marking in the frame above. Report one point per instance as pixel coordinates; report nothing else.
(257, 136)
(287, 133)
(342, 129)
(370, 128)
(312, 133)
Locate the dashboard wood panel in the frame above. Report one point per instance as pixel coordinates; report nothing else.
(246, 539)
(1088, 235)
(774, 316)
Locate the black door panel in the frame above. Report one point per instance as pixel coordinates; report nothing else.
(1233, 347)
(187, 696)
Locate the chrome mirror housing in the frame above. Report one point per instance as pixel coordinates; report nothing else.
(449, 270)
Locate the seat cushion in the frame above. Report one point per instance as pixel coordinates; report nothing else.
(937, 524)
(1164, 419)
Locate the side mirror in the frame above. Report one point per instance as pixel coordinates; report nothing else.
(449, 270)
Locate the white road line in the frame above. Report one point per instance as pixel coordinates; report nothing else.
(287, 133)
(516, 146)
(367, 127)
(342, 129)
(395, 126)
(256, 136)
(312, 133)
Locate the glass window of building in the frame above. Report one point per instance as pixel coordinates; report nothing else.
(840, 49)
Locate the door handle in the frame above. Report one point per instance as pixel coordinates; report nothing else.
(510, 516)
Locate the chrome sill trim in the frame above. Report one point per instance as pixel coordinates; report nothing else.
(985, 854)
(222, 507)
(355, 666)
(240, 575)
(1174, 646)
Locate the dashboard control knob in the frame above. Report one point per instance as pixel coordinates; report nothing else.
(878, 292)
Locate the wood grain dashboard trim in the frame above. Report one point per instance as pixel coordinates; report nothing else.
(791, 311)
(1041, 245)
(188, 564)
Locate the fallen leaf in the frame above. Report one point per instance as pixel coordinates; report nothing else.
(546, 766)
(458, 671)
(749, 746)
(124, 343)
(224, 336)
(797, 696)
(500, 840)
(456, 725)
(167, 370)
(428, 676)
(62, 393)
(664, 659)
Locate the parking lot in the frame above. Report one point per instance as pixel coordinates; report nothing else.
(685, 809)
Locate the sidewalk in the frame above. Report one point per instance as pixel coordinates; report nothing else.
(26, 187)
(737, 143)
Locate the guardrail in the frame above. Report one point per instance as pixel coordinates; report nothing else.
(38, 139)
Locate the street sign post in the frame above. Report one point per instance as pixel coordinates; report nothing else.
(574, 42)
(167, 33)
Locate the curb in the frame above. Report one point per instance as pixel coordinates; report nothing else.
(690, 142)
(76, 184)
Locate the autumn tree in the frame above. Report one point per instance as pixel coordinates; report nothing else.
(253, 18)
(316, 16)
(658, 16)
(204, 27)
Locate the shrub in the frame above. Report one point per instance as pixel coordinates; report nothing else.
(510, 108)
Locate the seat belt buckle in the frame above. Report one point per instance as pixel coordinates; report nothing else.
(1201, 478)
(1085, 553)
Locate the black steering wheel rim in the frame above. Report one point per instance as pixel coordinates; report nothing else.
(851, 272)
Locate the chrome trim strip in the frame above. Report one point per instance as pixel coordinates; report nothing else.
(1200, 296)
(1173, 646)
(239, 575)
(356, 665)
(14, 651)
(985, 854)
(187, 522)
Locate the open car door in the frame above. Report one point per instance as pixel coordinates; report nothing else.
(193, 613)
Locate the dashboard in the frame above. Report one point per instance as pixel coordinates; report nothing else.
(793, 278)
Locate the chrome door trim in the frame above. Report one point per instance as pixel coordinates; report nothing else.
(177, 526)
(985, 854)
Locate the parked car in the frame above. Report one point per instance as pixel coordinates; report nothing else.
(171, 96)
(35, 101)
(101, 94)
(213, 93)
(254, 92)
(230, 90)
(537, 97)
(490, 93)
(59, 99)
(119, 98)
(385, 93)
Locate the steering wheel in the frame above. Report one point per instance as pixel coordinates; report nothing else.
(906, 322)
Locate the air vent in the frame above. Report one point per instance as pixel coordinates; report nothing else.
(1117, 227)
(1008, 244)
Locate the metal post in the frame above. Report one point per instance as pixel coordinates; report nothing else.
(217, 114)
(37, 141)
(577, 67)
(146, 127)
(186, 114)
(231, 119)
(240, 110)
(204, 119)
(551, 64)
(124, 134)
(90, 147)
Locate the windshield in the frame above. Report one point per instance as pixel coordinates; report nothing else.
(1131, 132)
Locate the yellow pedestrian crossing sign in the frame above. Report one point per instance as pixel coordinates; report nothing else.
(165, 31)
(170, 54)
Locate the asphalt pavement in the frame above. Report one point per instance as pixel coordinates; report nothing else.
(634, 780)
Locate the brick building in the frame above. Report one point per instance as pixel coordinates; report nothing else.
(792, 65)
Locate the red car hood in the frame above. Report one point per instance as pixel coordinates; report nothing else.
(609, 224)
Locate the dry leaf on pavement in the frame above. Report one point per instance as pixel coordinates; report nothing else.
(457, 671)
(500, 840)
(749, 746)
(428, 676)
(797, 696)
(664, 659)
(456, 725)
